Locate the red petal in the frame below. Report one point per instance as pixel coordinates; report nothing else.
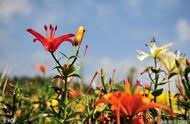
(156, 105)
(41, 38)
(57, 41)
(35, 39)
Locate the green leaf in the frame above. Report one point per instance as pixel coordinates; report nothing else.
(58, 67)
(187, 70)
(185, 104)
(154, 70)
(186, 87)
(72, 57)
(64, 55)
(74, 75)
(171, 75)
(72, 116)
(162, 83)
(157, 92)
(57, 76)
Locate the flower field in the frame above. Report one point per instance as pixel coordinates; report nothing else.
(65, 98)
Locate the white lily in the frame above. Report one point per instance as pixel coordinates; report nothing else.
(168, 60)
(155, 51)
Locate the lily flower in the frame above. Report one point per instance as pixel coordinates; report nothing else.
(168, 60)
(79, 35)
(41, 68)
(129, 105)
(155, 51)
(49, 42)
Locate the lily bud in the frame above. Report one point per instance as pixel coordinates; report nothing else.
(146, 70)
(188, 62)
(147, 86)
(79, 35)
(180, 88)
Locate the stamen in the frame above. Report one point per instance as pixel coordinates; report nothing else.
(51, 31)
(55, 27)
(46, 29)
(153, 40)
(50, 27)
(54, 31)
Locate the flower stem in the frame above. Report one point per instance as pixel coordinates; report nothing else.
(64, 95)
(156, 78)
(57, 62)
(65, 98)
(169, 94)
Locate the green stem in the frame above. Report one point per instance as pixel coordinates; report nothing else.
(65, 97)
(185, 114)
(102, 80)
(156, 78)
(169, 93)
(71, 54)
(150, 77)
(76, 56)
(56, 62)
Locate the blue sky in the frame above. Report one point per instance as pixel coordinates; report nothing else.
(115, 29)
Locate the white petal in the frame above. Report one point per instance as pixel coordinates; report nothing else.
(142, 55)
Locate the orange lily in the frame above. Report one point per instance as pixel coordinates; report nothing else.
(129, 105)
(50, 43)
(41, 68)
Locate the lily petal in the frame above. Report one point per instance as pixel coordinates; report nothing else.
(142, 55)
(57, 41)
(38, 36)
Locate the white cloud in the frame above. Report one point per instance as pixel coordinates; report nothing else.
(9, 8)
(183, 30)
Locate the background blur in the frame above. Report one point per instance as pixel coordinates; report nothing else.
(115, 29)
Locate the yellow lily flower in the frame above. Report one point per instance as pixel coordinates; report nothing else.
(155, 51)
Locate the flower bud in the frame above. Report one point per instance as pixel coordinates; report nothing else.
(188, 62)
(79, 35)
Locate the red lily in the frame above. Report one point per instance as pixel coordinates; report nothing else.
(128, 105)
(50, 43)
